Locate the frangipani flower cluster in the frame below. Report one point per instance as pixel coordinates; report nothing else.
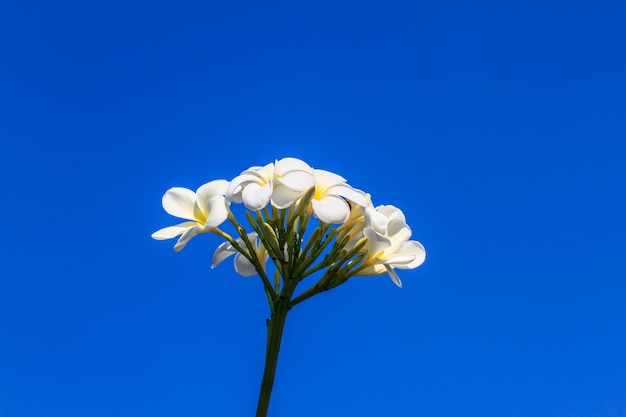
(348, 236)
(280, 198)
(283, 183)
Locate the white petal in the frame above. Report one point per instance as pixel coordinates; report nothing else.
(394, 277)
(415, 248)
(287, 165)
(376, 242)
(222, 252)
(179, 202)
(391, 212)
(218, 212)
(211, 189)
(256, 197)
(297, 181)
(186, 237)
(259, 175)
(234, 198)
(172, 231)
(266, 173)
(396, 260)
(326, 179)
(262, 174)
(283, 197)
(233, 191)
(331, 209)
(234, 188)
(376, 220)
(372, 270)
(352, 194)
(398, 231)
(244, 267)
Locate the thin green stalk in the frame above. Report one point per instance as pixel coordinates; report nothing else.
(275, 328)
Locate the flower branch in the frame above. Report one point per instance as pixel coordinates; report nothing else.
(352, 236)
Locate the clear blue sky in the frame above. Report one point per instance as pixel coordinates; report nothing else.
(499, 129)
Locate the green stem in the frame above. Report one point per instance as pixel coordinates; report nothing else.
(313, 290)
(275, 328)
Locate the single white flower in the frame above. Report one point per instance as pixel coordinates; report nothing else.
(292, 178)
(380, 217)
(253, 187)
(242, 265)
(205, 209)
(331, 190)
(388, 245)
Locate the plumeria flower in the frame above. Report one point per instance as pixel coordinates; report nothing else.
(205, 209)
(281, 183)
(292, 178)
(328, 201)
(253, 187)
(242, 265)
(388, 245)
(379, 218)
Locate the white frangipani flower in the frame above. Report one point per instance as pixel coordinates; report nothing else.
(328, 201)
(253, 187)
(292, 178)
(379, 217)
(242, 265)
(388, 244)
(205, 209)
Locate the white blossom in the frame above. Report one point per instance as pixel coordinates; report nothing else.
(253, 187)
(292, 178)
(205, 209)
(281, 185)
(331, 190)
(388, 245)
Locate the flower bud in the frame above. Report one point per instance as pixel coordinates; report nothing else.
(272, 239)
(303, 204)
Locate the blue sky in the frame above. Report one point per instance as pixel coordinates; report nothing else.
(498, 128)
